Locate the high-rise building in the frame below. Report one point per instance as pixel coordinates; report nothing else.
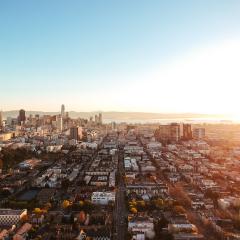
(90, 123)
(22, 116)
(9, 121)
(76, 133)
(187, 132)
(96, 119)
(168, 133)
(63, 111)
(59, 121)
(100, 118)
(114, 125)
(199, 133)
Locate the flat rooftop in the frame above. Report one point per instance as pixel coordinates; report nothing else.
(11, 211)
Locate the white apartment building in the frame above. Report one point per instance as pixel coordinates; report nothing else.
(9, 217)
(103, 198)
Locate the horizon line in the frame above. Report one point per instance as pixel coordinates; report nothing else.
(114, 111)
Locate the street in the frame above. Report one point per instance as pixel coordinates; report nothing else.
(120, 208)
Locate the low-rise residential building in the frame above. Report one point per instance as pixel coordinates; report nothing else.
(103, 198)
(9, 217)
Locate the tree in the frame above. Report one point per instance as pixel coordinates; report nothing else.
(129, 236)
(132, 204)
(82, 217)
(159, 203)
(133, 210)
(47, 206)
(65, 183)
(179, 209)
(160, 224)
(66, 204)
(37, 210)
(141, 205)
(167, 236)
(88, 206)
(210, 194)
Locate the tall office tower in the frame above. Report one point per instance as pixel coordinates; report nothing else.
(100, 118)
(175, 132)
(168, 133)
(96, 119)
(90, 121)
(187, 132)
(199, 133)
(21, 117)
(113, 125)
(1, 118)
(63, 111)
(9, 121)
(76, 133)
(47, 119)
(59, 121)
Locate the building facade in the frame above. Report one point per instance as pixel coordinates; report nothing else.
(9, 217)
(199, 133)
(76, 133)
(168, 133)
(21, 116)
(187, 132)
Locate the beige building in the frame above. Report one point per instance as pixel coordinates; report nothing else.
(5, 136)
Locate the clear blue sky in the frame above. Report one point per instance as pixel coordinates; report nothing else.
(98, 55)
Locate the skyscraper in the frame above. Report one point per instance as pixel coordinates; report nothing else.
(187, 132)
(22, 116)
(96, 119)
(168, 133)
(59, 121)
(76, 133)
(63, 111)
(199, 133)
(9, 121)
(100, 118)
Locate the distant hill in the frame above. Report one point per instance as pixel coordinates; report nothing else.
(125, 116)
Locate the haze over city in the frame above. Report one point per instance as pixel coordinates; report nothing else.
(120, 56)
(119, 120)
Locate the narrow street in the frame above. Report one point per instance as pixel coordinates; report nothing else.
(120, 209)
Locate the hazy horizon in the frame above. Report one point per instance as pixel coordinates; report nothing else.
(119, 119)
(126, 56)
(113, 111)
(135, 117)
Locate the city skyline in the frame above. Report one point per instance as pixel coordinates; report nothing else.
(128, 56)
(119, 120)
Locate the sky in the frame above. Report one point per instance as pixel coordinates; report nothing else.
(111, 55)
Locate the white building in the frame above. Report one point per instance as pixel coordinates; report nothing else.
(154, 145)
(9, 217)
(103, 198)
(140, 227)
